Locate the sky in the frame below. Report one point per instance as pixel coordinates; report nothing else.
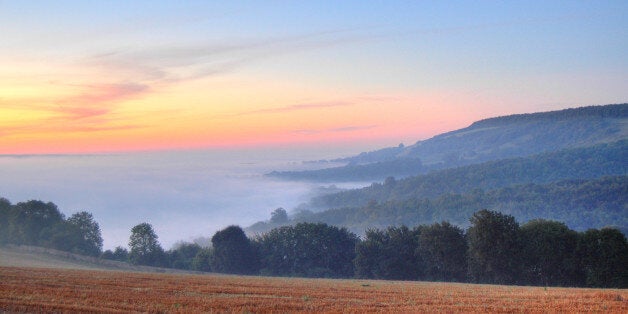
(115, 76)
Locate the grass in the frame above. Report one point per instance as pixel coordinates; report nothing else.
(32, 256)
(64, 290)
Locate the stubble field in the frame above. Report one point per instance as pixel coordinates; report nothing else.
(65, 290)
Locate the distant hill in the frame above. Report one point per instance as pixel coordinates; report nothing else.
(568, 165)
(485, 140)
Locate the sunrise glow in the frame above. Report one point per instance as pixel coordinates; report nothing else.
(126, 78)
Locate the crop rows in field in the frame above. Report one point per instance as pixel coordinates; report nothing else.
(35, 289)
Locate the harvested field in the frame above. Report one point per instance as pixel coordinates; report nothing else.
(63, 290)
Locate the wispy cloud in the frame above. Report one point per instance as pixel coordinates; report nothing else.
(185, 62)
(89, 110)
(86, 101)
(143, 69)
(297, 107)
(58, 126)
(343, 129)
(97, 100)
(353, 128)
(138, 70)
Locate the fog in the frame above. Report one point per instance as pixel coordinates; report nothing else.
(184, 195)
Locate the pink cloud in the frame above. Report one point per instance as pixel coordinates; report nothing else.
(98, 100)
(89, 110)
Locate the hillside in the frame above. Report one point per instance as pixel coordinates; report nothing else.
(581, 204)
(545, 186)
(576, 163)
(485, 140)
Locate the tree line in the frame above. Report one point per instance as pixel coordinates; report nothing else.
(495, 249)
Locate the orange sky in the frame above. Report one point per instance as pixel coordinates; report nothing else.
(44, 114)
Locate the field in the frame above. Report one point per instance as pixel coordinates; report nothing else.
(28, 289)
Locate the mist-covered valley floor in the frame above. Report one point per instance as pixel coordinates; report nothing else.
(185, 195)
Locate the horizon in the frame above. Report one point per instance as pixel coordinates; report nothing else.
(117, 77)
(310, 152)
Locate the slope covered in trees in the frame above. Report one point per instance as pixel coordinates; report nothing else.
(581, 204)
(577, 163)
(485, 140)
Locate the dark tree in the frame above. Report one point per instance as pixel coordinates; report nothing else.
(60, 236)
(442, 249)
(6, 209)
(107, 254)
(232, 252)
(29, 219)
(369, 253)
(494, 248)
(307, 250)
(604, 256)
(202, 260)
(145, 249)
(277, 251)
(119, 254)
(549, 251)
(279, 216)
(182, 256)
(89, 233)
(388, 254)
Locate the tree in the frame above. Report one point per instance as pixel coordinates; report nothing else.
(182, 256)
(119, 254)
(202, 260)
(307, 250)
(233, 253)
(279, 216)
(549, 248)
(6, 209)
(603, 257)
(30, 218)
(89, 233)
(388, 254)
(494, 248)
(442, 249)
(63, 236)
(145, 249)
(369, 252)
